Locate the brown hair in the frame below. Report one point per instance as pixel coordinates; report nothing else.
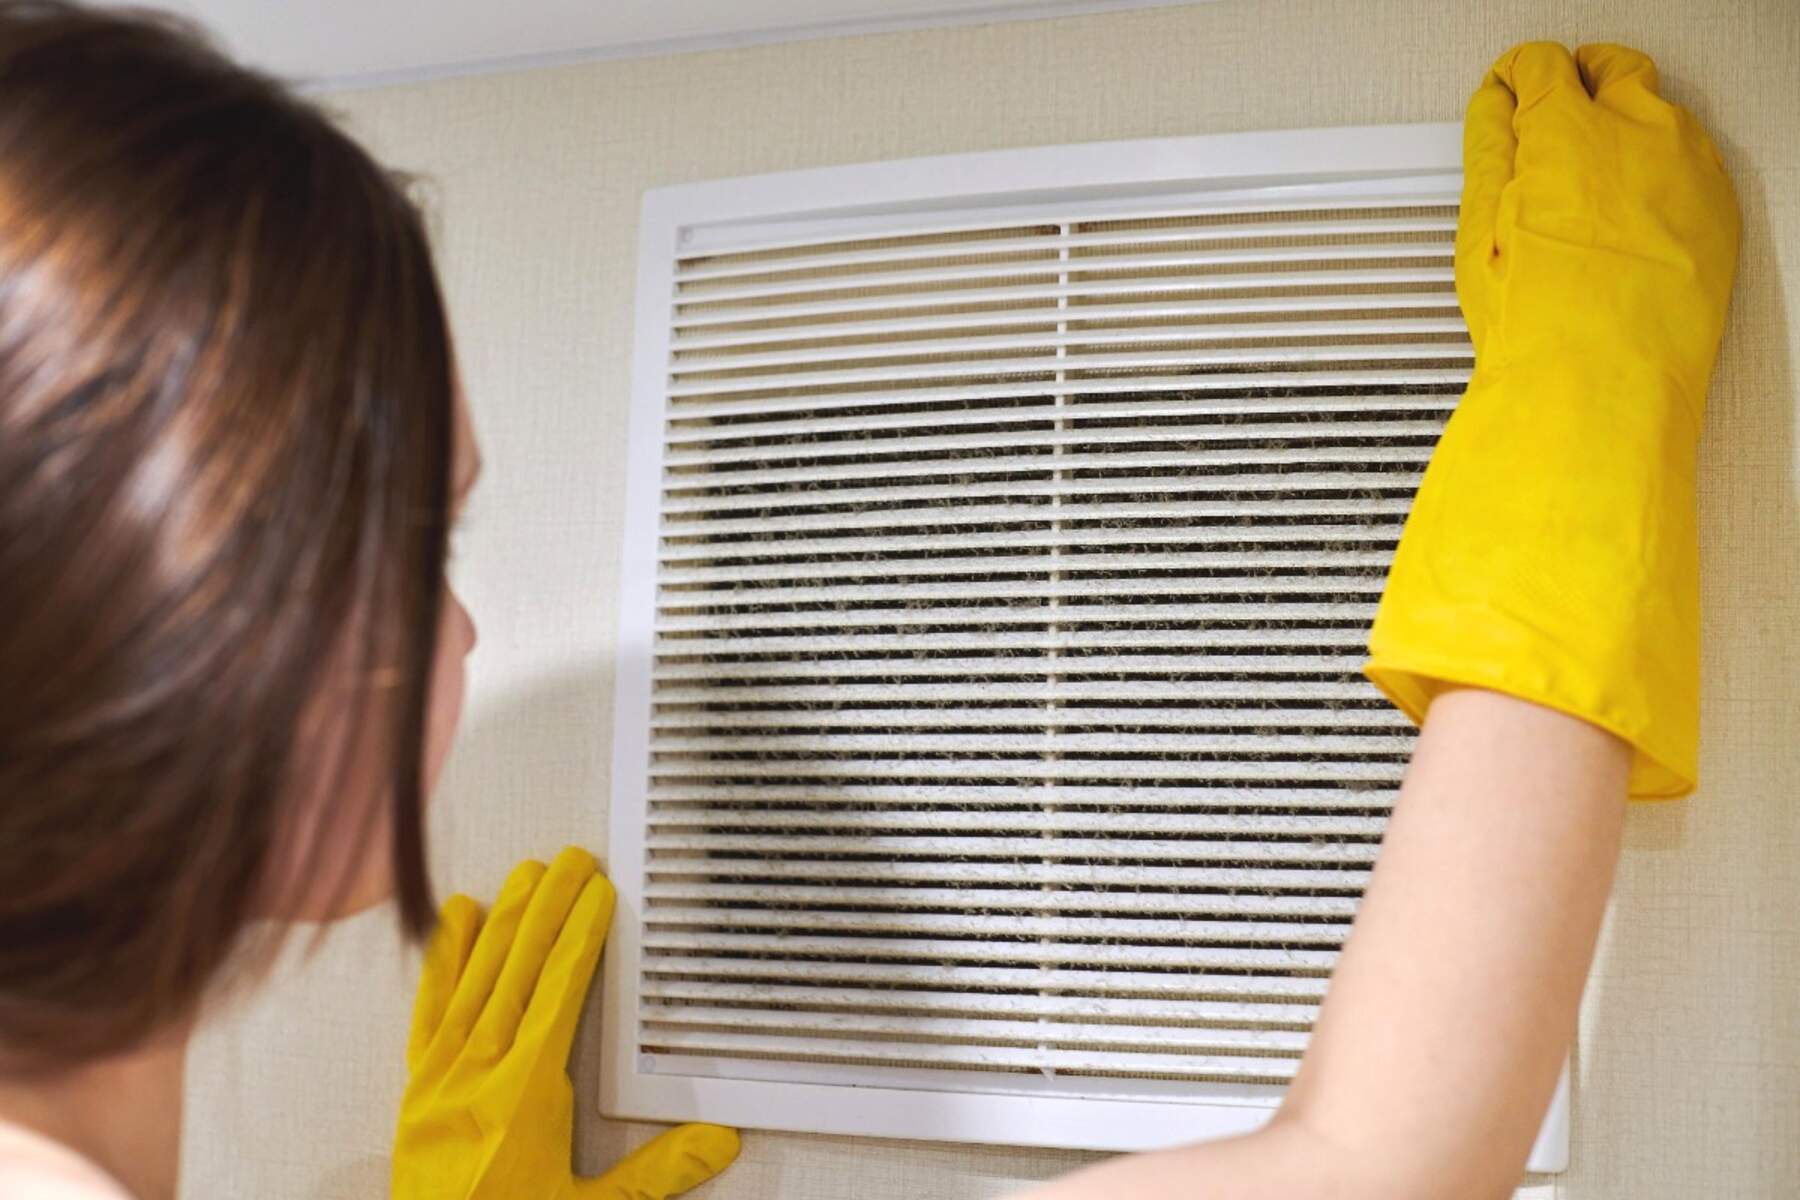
(226, 416)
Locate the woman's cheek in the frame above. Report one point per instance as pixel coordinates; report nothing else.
(456, 638)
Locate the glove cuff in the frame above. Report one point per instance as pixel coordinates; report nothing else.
(1551, 554)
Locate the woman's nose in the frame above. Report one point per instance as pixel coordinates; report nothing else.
(460, 613)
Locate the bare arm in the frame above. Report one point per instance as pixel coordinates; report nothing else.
(1455, 1000)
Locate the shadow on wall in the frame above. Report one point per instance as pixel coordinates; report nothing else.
(1705, 895)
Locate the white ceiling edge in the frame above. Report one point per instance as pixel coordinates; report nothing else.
(962, 13)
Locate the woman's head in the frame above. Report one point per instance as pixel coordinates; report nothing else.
(228, 457)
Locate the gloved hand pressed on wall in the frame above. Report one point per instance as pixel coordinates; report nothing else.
(1551, 552)
(489, 1111)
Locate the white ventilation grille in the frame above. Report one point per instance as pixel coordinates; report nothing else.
(1000, 722)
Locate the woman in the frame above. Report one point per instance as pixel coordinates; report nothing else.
(231, 447)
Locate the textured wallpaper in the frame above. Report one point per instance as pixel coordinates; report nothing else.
(1688, 1079)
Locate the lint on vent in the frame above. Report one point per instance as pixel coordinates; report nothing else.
(992, 761)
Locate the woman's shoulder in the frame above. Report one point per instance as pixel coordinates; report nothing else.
(32, 1167)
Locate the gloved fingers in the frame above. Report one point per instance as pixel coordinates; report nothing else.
(489, 954)
(445, 957)
(667, 1165)
(1616, 75)
(1489, 146)
(1537, 71)
(538, 929)
(548, 1027)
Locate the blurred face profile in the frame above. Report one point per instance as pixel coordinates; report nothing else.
(355, 864)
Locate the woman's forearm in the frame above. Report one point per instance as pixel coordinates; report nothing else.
(1453, 1004)
(1456, 997)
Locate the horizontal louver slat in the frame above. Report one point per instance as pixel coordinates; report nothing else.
(822, 766)
(975, 1031)
(1305, 438)
(1001, 845)
(776, 946)
(673, 667)
(1034, 614)
(979, 979)
(876, 325)
(1027, 821)
(981, 350)
(863, 1050)
(1177, 380)
(1042, 563)
(1070, 641)
(914, 742)
(1072, 540)
(1319, 932)
(1038, 900)
(705, 311)
(933, 792)
(948, 714)
(1422, 412)
(1235, 588)
(917, 999)
(1044, 264)
(1301, 478)
(1194, 361)
(861, 872)
(808, 259)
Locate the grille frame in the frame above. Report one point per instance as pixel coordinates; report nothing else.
(1105, 201)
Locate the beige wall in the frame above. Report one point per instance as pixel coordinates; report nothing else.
(1689, 1067)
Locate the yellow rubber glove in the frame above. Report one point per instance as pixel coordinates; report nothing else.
(489, 1110)
(1551, 552)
